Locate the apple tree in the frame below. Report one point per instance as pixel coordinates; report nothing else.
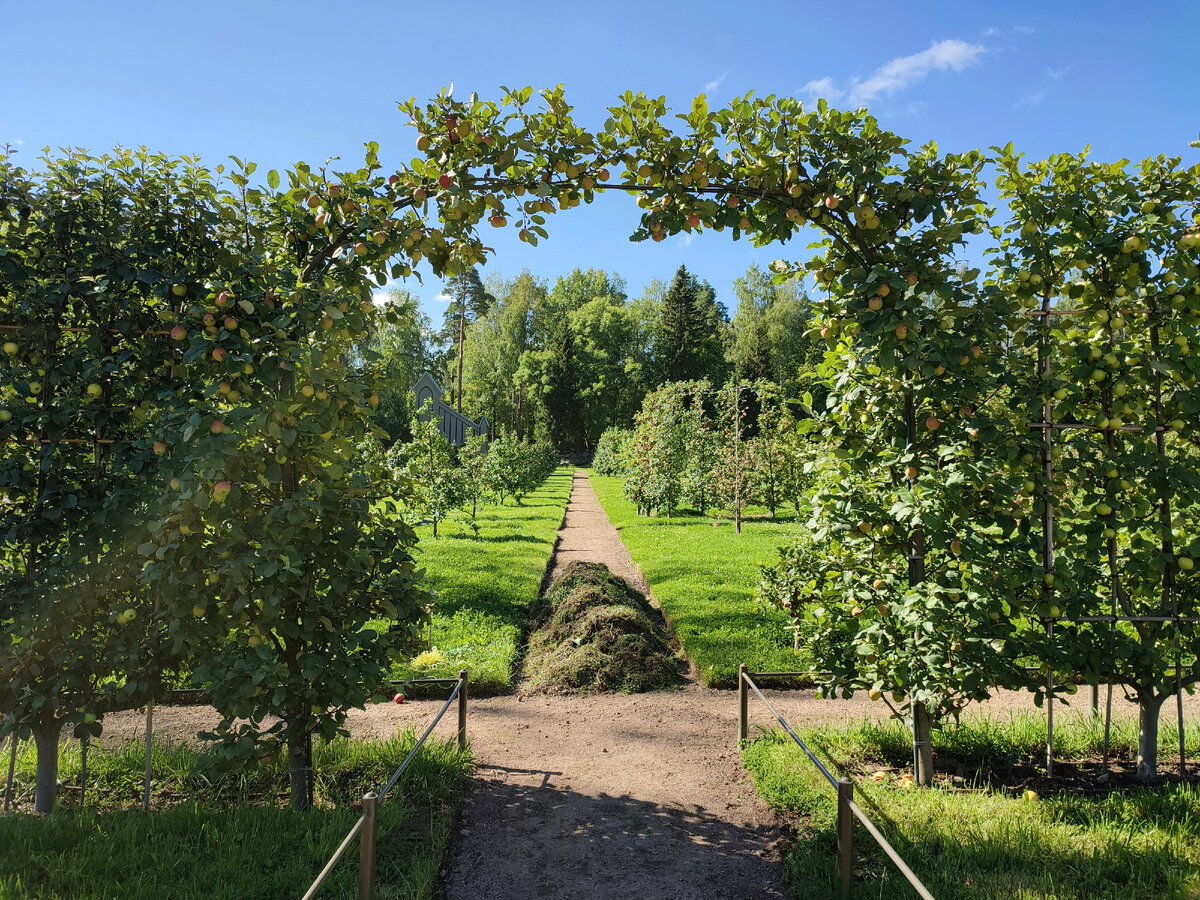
(93, 254)
(275, 543)
(1102, 259)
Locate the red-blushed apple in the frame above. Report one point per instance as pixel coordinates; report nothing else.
(932, 423)
(230, 323)
(399, 698)
(175, 484)
(911, 278)
(693, 220)
(902, 331)
(419, 195)
(179, 332)
(159, 447)
(445, 180)
(218, 353)
(223, 298)
(603, 175)
(875, 304)
(221, 491)
(883, 290)
(731, 201)
(217, 427)
(832, 202)
(393, 180)
(498, 221)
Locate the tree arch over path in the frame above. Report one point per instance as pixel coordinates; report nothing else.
(932, 575)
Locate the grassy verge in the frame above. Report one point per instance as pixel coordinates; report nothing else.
(484, 584)
(704, 578)
(199, 844)
(982, 842)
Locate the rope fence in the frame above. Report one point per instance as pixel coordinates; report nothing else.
(847, 809)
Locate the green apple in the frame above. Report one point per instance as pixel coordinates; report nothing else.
(1186, 563)
(94, 390)
(10, 348)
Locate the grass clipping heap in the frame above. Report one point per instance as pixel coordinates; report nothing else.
(593, 632)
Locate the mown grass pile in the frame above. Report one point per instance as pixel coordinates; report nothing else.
(992, 836)
(484, 584)
(596, 633)
(705, 579)
(220, 831)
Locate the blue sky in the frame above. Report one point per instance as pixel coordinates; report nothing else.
(281, 82)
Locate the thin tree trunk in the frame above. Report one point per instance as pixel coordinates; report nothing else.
(45, 736)
(923, 730)
(299, 773)
(462, 328)
(1149, 706)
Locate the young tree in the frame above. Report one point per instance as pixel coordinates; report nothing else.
(473, 458)
(438, 486)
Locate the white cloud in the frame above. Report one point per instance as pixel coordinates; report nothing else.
(443, 298)
(822, 87)
(686, 239)
(716, 82)
(904, 71)
(1030, 100)
(995, 31)
(899, 73)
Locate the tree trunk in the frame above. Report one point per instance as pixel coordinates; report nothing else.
(45, 736)
(299, 771)
(1149, 707)
(923, 737)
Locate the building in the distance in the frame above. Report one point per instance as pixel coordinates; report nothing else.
(455, 427)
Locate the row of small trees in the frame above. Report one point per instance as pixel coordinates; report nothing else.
(700, 447)
(442, 478)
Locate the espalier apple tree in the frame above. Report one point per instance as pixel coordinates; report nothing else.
(1102, 259)
(275, 544)
(97, 256)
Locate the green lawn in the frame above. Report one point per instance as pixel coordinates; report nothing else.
(221, 834)
(704, 578)
(484, 585)
(989, 842)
